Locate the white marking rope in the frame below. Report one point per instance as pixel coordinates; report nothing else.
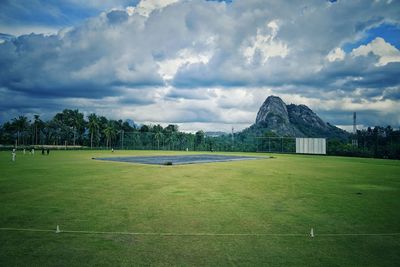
(57, 230)
(360, 234)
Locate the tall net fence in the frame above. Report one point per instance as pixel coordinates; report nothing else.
(154, 141)
(276, 144)
(190, 142)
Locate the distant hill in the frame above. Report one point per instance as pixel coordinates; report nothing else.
(132, 123)
(276, 117)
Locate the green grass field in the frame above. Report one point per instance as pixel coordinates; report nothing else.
(289, 194)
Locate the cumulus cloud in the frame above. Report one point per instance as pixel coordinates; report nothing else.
(336, 54)
(265, 44)
(386, 52)
(169, 67)
(145, 7)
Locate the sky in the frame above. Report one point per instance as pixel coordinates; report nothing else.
(203, 65)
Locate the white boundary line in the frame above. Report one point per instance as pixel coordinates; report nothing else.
(25, 229)
(192, 234)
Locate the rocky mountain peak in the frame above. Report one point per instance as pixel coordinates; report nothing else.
(273, 111)
(292, 120)
(301, 114)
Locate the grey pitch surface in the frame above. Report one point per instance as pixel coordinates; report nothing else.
(178, 160)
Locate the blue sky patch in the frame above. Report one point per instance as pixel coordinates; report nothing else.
(389, 32)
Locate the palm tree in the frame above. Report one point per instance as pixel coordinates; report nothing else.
(136, 139)
(169, 140)
(77, 123)
(73, 121)
(158, 135)
(20, 124)
(110, 133)
(38, 123)
(173, 139)
(93, 126)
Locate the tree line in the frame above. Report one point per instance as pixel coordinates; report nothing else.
(377, 142)
(71, 128)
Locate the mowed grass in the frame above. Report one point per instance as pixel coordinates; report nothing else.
(289, 194)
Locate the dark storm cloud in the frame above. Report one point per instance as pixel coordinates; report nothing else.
(392, 93)
(72, 64)
(313, 33)
(351, 74)
(165, 52)
(367, 118)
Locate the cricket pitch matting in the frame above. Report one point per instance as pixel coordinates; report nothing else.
(179, 160)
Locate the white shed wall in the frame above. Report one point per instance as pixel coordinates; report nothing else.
(311, 145)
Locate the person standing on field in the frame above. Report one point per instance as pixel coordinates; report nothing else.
(14, 154)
